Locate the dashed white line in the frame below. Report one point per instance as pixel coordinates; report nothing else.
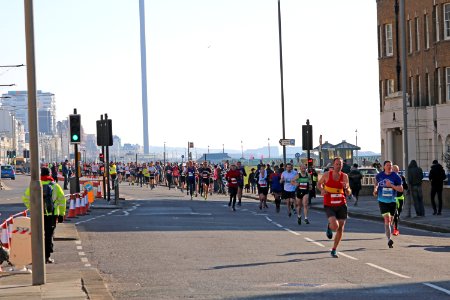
(437, 288)
(81, 254)
(268, 219)
(348, 256)
(79, 247)
(387, 271)
(279, 225)
(78, 242)
(291, 231)
(87, 265)
(314, 242)
(84, 259)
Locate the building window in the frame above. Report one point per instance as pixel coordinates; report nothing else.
(417, 34)
(418, 91)
(447, 97)
(439, 86)
(380, 42)
(389, 86)
(389, 44)
(426, 32)
(410, 44)
(447, 21)
(436, 23)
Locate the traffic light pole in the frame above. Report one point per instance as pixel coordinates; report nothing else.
(107, 166)
(104, 172)
(308, 151)
(77, 175)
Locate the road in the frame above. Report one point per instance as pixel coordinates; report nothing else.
(161, 245)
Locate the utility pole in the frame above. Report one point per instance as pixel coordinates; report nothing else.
(281, 78)
(36, 209)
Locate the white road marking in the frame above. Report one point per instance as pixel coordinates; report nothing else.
(126, 213)
(81, 254)
(84, 259)
(348, 256)
(279, 225)
(79, 247)
(387, 271)
(314, 242)
(437, 288)
(78, 242)
(291, 231)
(269, 219)
(87, 265)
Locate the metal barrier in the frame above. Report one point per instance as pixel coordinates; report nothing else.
(368, 180)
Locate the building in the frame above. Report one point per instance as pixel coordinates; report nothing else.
(428, 85)
(46, 109)
(329, 151)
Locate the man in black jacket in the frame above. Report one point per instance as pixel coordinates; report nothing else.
(437, 177)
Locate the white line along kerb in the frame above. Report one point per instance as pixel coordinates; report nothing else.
(437, 288)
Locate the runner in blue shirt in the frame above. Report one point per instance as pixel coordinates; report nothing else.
(387, 184)
(287, 178)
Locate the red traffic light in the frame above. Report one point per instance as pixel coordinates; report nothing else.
(101, 157)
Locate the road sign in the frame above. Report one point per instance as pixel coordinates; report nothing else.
(287, 142)
(297, 155)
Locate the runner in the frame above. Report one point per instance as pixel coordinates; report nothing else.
(190, 175)
(303, 182)
(168, 171)
(400, 199)
(232, 178)
(287, 178)
(263, 186)
(205, 174)
(183, 177)
(276, 188)
(241, 169)
(387, 184)
(334, 187)
(152, 172)
(175, 174)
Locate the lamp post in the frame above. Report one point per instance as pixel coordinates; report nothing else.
(223, 148)
(268, 146)
(281, 79)
(164, 154)
(208, 149)
(357, 160)
(242, 150)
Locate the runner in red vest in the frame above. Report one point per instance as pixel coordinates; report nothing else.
(334, 187)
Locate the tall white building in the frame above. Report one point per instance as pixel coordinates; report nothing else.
(46, 109)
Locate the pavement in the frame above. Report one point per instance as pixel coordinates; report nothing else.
(70, 280)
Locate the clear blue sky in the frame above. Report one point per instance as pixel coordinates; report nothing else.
(213, 67)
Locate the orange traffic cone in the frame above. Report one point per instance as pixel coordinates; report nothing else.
(5, 236)
(72, 213)
(77, 205)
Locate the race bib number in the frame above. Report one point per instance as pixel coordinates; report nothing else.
(387, 192)
(303, 185)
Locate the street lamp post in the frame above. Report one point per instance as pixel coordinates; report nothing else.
(357, 160)
(242, 150)
(268, 146)
(164, 154)
(223, 148)
(281, 79)
(208, 149)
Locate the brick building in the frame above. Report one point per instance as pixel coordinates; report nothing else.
(428, 85)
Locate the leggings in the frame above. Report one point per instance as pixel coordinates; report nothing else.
(398, 211)
(233, 193)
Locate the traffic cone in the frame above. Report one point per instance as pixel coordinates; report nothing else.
(5, 237)
(77, 205)
(99, 189)
(72, 213)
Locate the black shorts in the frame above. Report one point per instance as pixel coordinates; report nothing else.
(387, 208)
(241, 185)
(339, 212)
(287, 195)
(301, 193)
(263, 190)
(205, 181)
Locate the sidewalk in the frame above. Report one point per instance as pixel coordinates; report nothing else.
(64, 280)
(368, 209)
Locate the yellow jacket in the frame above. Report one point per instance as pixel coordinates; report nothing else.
(112, 169)
(58, 199)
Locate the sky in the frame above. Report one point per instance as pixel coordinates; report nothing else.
(213, 68)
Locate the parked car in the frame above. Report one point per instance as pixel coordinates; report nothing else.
(7, 171)
(368, 171)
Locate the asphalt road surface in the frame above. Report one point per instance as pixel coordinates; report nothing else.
(161, 245)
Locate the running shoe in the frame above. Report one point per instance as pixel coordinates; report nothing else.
(334, 254)
(234, 209)
(289, 214)
(299, 221)
(229, 203)
(391, 244)
(396, 232)
(266, 206)
(306, 221)
(329, 232)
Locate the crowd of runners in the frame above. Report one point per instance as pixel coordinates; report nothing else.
(296, 186)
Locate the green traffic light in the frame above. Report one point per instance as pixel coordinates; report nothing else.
(75, 137)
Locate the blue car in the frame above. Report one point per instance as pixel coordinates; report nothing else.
(7, 171)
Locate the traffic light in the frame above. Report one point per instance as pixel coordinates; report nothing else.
(101, 157)
(75, 129)
(26, 153)
(307, 137)
(310, 162)
(8, 154)
(13, 154)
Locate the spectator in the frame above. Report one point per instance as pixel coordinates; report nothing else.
(346, 168)
(415, 177)
(355, 178)
(436, 177)
(65, 172)
(252, 181)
